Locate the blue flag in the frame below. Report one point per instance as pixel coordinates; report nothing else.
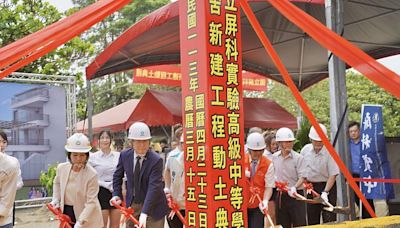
(373, 157)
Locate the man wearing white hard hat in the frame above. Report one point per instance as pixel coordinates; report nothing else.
(260, 173)
(143, 168)
(321, 171)
(289, 168)
(175, 181)
(75, 186)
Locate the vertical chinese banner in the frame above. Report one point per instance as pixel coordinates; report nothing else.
(373, 157)
(213, 113)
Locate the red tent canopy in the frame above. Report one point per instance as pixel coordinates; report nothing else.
(113, 118)
(158, 108)
(155, 40)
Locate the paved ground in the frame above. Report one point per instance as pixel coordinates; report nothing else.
(40, 218)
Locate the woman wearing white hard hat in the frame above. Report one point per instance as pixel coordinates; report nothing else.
(105, 162)
(321, 171)
(260, 173)
(76, 185)
(289, 168)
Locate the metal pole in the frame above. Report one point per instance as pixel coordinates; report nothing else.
(299, 111)
(338, 99)
(89, 108)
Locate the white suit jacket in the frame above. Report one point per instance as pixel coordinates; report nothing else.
(87, 207)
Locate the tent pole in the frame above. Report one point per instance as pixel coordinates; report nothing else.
(299, 112)
(165, 131)
(89, 108)
(338, 99)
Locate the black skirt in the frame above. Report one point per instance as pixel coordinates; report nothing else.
(69, 210)
(274, 193)
(104, 197)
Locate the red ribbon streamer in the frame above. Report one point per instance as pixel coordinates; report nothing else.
(65, 220)
(281, 186)
(397, 181)
(255, 193)
(127, 212)
(175, 210)
(310, 189)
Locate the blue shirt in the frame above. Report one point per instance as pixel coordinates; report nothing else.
(355, 150)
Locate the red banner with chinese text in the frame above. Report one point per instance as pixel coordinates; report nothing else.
(213, 120)
(170, 75)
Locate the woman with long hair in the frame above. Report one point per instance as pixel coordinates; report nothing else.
(105, 162)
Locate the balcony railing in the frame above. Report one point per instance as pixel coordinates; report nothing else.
(38, 142)
(44, 92)
(27, 117)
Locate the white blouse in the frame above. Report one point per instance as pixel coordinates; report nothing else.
(105, 165)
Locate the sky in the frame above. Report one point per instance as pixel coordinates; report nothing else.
(61, 5)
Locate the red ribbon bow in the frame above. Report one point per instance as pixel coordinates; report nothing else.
(255, 193)
(310, 189)
(175, 210)
(127, 212)
(65, 220)
(281, 186)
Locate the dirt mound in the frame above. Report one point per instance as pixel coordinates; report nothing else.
(35, 217)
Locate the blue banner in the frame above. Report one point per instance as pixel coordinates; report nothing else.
(373, 157)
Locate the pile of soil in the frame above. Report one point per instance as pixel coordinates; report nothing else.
(36, 218)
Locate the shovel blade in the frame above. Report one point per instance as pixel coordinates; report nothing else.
(338, 210)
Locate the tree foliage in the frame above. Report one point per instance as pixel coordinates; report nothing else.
(360, 90)
(46, 178)
(114, 89)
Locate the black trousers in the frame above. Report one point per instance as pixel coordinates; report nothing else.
(314, 211)
(176, 222)
(255, 218)
(69, 210)
(365, 213)
(289, 211)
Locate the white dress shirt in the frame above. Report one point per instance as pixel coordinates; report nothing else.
(319, 166)
(105, 165)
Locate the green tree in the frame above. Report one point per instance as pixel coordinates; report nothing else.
(46, 178)
(114, 89)
(21, 18)
(360, 90)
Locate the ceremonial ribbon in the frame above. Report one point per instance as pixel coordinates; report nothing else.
(127, 212)
(255, 193)
(281, 186)
(175, 210)
(310, 189)
(65, 220)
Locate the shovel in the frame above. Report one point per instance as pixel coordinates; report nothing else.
(304, 199)
(331, 208)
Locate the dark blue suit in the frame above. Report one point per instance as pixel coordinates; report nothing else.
(151, 186)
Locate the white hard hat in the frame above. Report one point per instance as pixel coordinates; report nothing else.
(139, 131)
(255, 141)
(78, 143)
(284, 134)
(314, 135)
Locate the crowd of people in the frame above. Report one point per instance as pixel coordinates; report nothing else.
(90, 185)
